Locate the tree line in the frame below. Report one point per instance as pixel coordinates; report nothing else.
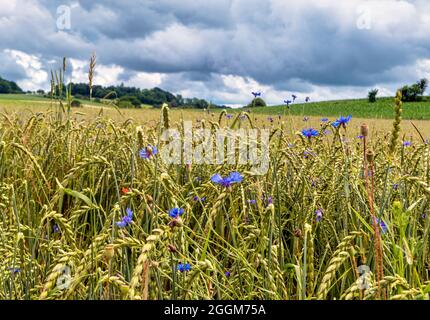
(135, 97)
(9, 86)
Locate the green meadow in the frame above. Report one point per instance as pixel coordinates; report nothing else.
(358, 108)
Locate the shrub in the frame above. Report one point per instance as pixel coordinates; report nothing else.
(134, 101)
(125, 104)
(257, 102)
(372, 95)
(76, 104)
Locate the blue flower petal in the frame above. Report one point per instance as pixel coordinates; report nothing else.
(216, 178)
(235, 177)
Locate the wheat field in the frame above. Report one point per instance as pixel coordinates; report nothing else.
(84, 214)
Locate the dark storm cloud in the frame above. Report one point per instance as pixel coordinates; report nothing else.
(287, 45)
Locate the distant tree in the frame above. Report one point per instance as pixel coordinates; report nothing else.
(372, 95)
(4, 87)
(41, 92)
(414, 92)
(423, 83)
(179, 99)
(257, 102)
(81, 89)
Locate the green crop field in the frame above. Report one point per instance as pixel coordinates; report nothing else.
(21, 97)
(359, 108)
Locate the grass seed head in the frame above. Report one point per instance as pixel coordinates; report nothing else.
(364, 130)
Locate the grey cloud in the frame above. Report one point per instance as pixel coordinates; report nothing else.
(287, 45)
(9, 69)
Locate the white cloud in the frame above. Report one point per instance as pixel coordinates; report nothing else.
(423, 68)
(35, 77)
(104, 74)
(146, 80)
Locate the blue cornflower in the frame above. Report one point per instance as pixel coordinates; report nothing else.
(15, 270)
(126, 220)
(308, 153)
(251, 201)
(56, 228)
(196, 198)
(176, 212)
(342, 121)
(383, 226)
(148, 152)
(307, 99)
(183, 267)
(395, 186)
(407, 143)
(324, 119)
(229, 116)
(227, 274)
(256, 94)
(268, 200)
(234, 177)
(309, 133)
(294, 97)
(360, 137)
(318, 215)
(287, 102)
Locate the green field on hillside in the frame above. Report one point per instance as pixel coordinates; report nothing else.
(20, 97)
(359, 108)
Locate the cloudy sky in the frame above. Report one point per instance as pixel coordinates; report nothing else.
(221, 50)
